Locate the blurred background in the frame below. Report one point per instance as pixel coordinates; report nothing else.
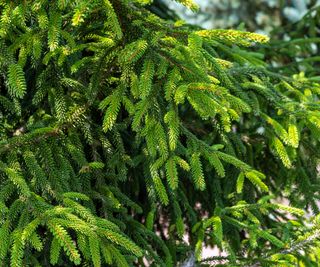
(255, 15)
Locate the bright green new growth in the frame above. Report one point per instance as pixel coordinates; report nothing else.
(122, 133)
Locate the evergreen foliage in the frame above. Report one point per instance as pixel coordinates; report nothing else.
(122, 133)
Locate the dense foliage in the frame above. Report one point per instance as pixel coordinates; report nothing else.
(128, 140)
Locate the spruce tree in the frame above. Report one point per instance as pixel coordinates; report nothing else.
(130, 140)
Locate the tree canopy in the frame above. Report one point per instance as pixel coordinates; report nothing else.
(131, 140)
